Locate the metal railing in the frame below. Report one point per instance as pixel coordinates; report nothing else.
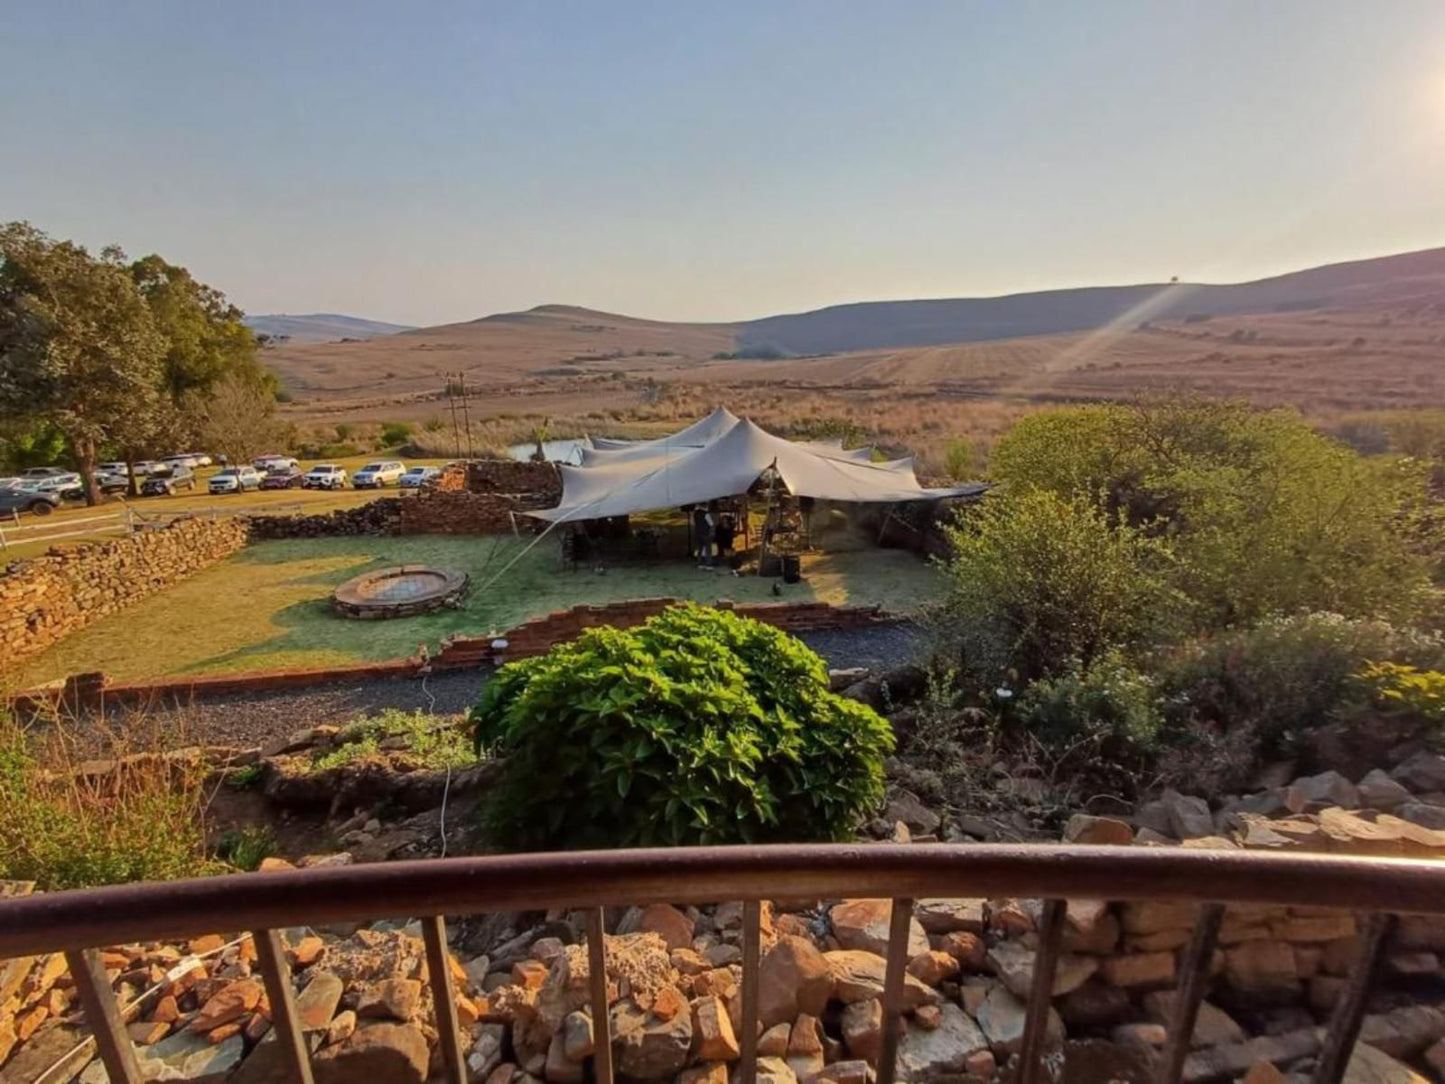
(78, 922)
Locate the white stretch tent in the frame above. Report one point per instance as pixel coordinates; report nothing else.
(722, 456)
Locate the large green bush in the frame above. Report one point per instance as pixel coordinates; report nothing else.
(1040, 582)
(1263, 514)
(1109, 708)
(698, 726)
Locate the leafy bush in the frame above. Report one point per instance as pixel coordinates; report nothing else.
(1406, 690)
(1288, 676)
(1109, 707)
(395, 433)
(1263, 514)
(698, 726)
(244, 848)
(432, 742)
(1039, 582)
(960, 460)
(141, 822)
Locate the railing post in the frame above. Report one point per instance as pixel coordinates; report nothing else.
(1349, 1012)
(103, 1016)
(1193, 972)
(601, 1012)
(1036, 1020)
(899, 922)
(752, 949)
(276, 974)
(444, 997)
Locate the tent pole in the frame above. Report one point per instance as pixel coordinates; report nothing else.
(884, 528)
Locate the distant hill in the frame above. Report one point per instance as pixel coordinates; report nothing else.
(874, 325)
(321, 327)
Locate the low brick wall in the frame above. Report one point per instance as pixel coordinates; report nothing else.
(46, 599)
(537, 636)
(533, 637)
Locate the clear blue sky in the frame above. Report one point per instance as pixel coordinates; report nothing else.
(427, 162)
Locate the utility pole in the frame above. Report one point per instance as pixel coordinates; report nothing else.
(452, 399)
(466, 417)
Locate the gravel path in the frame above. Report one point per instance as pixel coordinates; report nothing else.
(250, 719)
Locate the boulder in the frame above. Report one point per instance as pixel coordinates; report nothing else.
(775, 1071)
(931, 968)
(391, 999)
(862, 1024)
(1001, 1017)
(1422, 773)
(904, 806)
(1212, 1027)
(648, 1047)
(1082, 828)
(1328, 788)
(858, 976)
(1370, 1066)
(712, 1030)
(793, 977)
(1014, 964)
(1262, 971)
(380, 1053)
(190, 1056)
(559, 1068)
(863, 925)
(1139, 969)
(577, 1037)
(943, 1051)
(669, 923)
(230, 1003)
(947, 916)
(1423, 814)
(1235, 1059)
(1378, 791)
(1096, 1004)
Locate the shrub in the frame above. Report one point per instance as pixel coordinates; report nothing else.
(698, 726)
(140, 822)
(432, 742)
(395, 433)
(345, 431)
(1039, 582)
(244, 848)
(960, 460)
(1264, 515)
(1108, 707)
(1399, 688)
(1287, 677)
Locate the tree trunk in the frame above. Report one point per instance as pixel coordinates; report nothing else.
(131, 490)
(85, 455)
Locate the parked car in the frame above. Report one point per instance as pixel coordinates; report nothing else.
(115, 466)
(185, 460)
(143, 467)
(110, 481)
(37, 502)
(163, 483)
(416, 476)
(324, 476)
(282, 478)
(271, 459)
(383, 472)
(39, 473)
(201, 459)
(62, 483)
(235, 480)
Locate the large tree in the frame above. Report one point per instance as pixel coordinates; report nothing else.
(79, 346)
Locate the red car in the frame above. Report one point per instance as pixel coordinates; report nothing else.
(282, 478)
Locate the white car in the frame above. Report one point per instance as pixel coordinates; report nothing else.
(235, 480)
(415, 477)
(115, 466)
(200, 459)
(264, 463)
(324, 476)
(186, 460)
(384, 472)
(63, 483)
(142, 467)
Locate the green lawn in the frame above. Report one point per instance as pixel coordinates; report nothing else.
(267, 607)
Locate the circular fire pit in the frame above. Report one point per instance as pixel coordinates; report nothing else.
(400, 591)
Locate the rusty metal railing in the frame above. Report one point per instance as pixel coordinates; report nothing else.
(76, 923)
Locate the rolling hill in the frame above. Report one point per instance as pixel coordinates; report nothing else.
(320, 327)
(1364, 332)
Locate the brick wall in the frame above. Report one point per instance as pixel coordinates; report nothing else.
(537, 636)
(45, 599)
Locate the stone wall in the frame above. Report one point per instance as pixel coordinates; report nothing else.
(381, 516)
(45, 599)
(460, 512)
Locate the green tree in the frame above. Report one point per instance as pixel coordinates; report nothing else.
(1040, 582)
(1263, 514)
(78, 344)
(238, 419)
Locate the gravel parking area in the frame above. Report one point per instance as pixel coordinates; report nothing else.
(256, 718)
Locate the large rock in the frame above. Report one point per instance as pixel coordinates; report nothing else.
(858, 976)
(1002, 1015)
(713, 1038)
(669, 923)
(1082, 828)
(1370, 1066)
(647, 1046)
(1262, 971)
(192, 1057)
(1235, 1059)
(381, 1053)
(315, 1008)
(1212, 1027)
(1423, 814)
(863, 925)
(862, 1025)
(945, 1050)
(1378, 791)
(793, 977)
(1329, 788)
(1422, 773)
(950, 916)
(904, 806)
(1014, 964)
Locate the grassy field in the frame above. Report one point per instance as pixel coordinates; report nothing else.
(73, 515)
(267, 607)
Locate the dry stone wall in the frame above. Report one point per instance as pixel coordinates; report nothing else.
(46, 599)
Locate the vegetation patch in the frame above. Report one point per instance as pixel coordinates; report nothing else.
(698, 726)
(425, 740)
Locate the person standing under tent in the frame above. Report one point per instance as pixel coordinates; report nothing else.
(724, 535)
(702, 535)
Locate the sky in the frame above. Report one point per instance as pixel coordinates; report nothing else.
(433, 162)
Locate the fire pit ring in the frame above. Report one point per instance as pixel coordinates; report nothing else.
(399, 591)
